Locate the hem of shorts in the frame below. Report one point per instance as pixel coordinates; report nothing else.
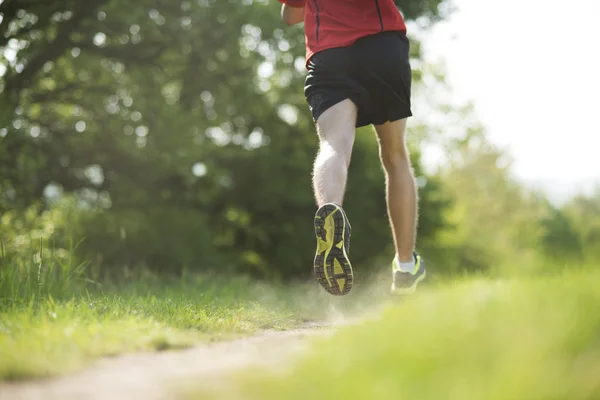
(333, 103)
(397, 117)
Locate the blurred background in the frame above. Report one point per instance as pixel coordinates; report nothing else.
(172, 136)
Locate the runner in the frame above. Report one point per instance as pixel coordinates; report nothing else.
(357, 57)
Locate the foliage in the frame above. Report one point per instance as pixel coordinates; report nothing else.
(494, 222)
(560, 240)
(181, 129)
(185, 122)
(574, 230)
(494, 218)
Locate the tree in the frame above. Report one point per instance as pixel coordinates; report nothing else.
(560, 241)
(493, 220)
(581, 218)
(182, 124)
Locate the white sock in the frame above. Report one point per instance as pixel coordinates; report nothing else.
(406, 266)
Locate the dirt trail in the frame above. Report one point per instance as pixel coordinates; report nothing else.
(152, 376)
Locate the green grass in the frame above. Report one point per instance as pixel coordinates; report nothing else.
(49, 337)
(54, 319)
(530, 338)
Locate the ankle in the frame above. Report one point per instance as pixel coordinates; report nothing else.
(405, 266)
(324, 203)
(410, 258)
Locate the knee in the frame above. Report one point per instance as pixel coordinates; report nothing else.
(337, 143)
(394, 155)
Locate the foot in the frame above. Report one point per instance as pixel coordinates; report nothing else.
(406, 282)
(332, 266)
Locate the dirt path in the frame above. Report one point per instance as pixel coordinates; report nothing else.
(151, 376)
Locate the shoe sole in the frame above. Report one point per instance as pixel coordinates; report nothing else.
(409, 290)
(332, 266)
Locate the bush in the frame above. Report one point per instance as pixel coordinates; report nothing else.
(162, 239)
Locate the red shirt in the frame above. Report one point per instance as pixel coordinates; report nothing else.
(339, 23)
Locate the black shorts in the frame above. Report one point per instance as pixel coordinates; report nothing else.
(374, 73)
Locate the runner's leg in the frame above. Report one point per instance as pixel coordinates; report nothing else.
(336, 130)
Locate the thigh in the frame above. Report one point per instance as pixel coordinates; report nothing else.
(336, 126)
(391, 134)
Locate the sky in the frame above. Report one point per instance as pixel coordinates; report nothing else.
(532, 70)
